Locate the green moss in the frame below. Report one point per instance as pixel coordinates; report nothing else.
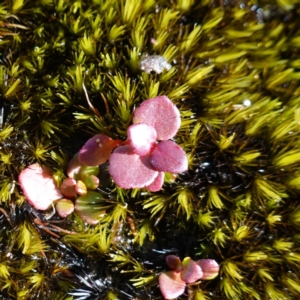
(234, 77)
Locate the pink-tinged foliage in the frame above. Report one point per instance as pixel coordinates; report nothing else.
(130, 170)
(74, 167)
(67, 187)
(174, 262)
(97, 150)
(64, 207)
(160, 113)
(89, 207)
(38, 186)
(209, 267)
(141, 160)
(191, 271)
(141, 138)
(80, 188)
(157, 184)
(77, 171)
(167, 156)
(171, 285)
(91, 181)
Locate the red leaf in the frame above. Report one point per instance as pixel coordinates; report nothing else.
(167, 156)
(174, 263)
(170, 284)
(38, 186)
(157, 184)
(67, 187)
(191, 271)
(209, 267)
(74, 167)
(129, 170)
(160, 113)
(97, 150)
(141, 138)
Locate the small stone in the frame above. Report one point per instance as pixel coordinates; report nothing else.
(154, 63)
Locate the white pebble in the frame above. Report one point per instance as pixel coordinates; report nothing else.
(154, 63)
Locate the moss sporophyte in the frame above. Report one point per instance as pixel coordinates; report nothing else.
(213, 174)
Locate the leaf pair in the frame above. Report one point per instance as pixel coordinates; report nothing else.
(172, 283)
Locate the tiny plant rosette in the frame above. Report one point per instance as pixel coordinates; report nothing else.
(172, 283)
(138, 162)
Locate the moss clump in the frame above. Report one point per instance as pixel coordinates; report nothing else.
(234, 77)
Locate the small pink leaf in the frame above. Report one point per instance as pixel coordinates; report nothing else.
(67, 187)
(160, 113)
(209, 267)
(170, 284)
(167, 156)
(97, 150)
(74, 167)
(64, 207)
(38, 186)
(157, 184)
(174, 263)
(129, 170)
(141, 138)
(191, 271)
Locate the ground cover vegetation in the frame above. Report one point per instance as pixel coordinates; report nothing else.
(233, 70)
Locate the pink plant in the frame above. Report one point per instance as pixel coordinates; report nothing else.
(142, 160)
(130, 170)
(161, 114)
(38, 186)
(172, 283)
(41, 191)
(96, 150)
